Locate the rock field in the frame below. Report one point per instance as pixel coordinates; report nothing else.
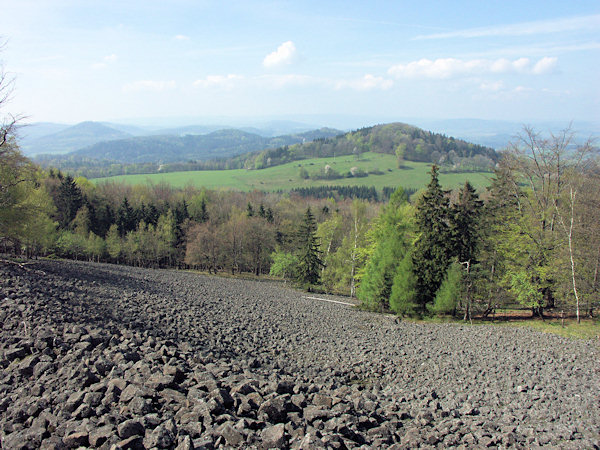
(104, 356)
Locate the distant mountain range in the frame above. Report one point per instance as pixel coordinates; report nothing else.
(172, 148)
(125, 143)
(56, 139)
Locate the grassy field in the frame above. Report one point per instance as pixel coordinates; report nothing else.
(587, 329)
(287, 176)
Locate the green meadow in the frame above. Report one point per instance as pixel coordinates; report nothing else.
(287, 176)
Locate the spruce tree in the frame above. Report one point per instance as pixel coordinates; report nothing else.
(308, 271)
(68, 201)
(432, 251)
(464, 224)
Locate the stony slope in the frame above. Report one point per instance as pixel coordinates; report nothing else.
(102, 356)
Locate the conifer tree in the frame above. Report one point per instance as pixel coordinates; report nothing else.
(390, 235)
(404, 294)
(431, 255)
(68, 201)
(464, 224)
(308, 271)
(449, 294)
(125, 219)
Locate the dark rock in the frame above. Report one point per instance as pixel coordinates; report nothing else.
(132, 427)
(99, 436)
(77, 439)
(275, 409)
(161, 437)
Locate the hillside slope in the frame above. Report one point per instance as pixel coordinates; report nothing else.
(72, 138)
(405, 141)
(170, 148)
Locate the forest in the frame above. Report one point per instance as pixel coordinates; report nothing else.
(531, 239)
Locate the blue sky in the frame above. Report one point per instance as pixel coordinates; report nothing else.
(379, 60)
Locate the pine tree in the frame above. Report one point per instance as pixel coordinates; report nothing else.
(309, 267)
(432, 251)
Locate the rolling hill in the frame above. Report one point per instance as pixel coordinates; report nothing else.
(169, 148)
(71, 138)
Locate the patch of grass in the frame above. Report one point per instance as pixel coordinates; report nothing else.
(587, 329)
(287, 176)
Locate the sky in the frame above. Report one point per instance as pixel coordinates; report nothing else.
(76, 60)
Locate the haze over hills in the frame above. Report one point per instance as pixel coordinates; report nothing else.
(53, 138)
(67, 139)
(174, 148)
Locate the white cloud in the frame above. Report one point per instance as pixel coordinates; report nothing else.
(544, 65)
(285, 54)
(366, 83)
(444, 68)
(521, 29)
(106, 61)
(221, 81)
(181, 37)
(150, 85)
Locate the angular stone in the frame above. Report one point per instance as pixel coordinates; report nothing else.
(222, 397)
(324, 401)
(244, 388)
(275, 410)
(132, 427)
(131, 443)
(77, 439)
(312, 413)
(173, 396)
(160, 437)
(232, 436)
(273, 436)
(158, 382)
(99, 436)
(129, 392)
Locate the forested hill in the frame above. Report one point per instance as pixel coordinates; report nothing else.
(169, 148)
(405, 141)
(237, 149)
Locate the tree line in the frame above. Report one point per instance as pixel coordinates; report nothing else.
(531, 239)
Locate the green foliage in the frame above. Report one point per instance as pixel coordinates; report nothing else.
(464, 217)
(308, 271)
(68, 200)
(197, 208)
(113, 242)
(303, 173)
(390, 236)
(450, 292)
(526, 289)
(432, 250)
(284, 265)
(404, 288)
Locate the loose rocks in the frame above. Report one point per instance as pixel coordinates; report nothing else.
(107, 356)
